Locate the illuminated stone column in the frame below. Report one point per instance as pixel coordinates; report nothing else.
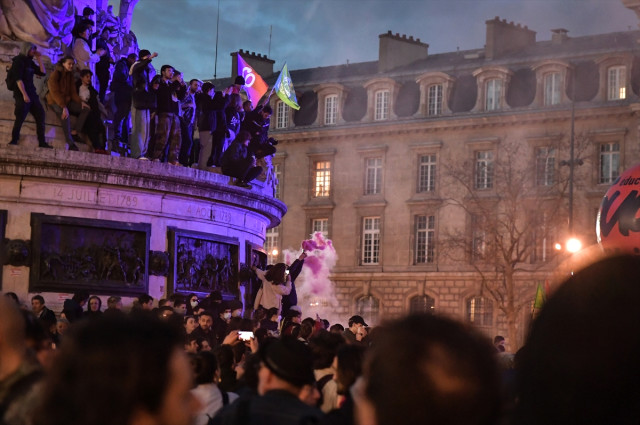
(126, 13)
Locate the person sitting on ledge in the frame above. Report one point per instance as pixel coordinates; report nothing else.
(93, 127)
(64, 100)
(239, 163)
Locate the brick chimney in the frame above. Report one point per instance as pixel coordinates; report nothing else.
(559, 35)
(506, 37)
(260, 63)
(398, 50)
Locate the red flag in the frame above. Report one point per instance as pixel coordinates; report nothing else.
(254, 85)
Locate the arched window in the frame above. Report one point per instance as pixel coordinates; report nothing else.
(421, 304)
(480, 311)
(368, 307)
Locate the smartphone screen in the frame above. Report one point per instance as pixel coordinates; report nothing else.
(245, 335)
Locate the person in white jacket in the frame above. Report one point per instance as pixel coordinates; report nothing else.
(82, 53)
(275, 283)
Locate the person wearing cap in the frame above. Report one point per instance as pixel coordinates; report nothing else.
(356, 333)
(286, 368)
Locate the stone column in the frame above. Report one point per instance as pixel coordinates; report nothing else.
(126, 13)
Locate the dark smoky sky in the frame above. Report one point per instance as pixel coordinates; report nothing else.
(312, 33)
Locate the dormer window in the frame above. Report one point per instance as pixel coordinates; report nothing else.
(552, 89)
(617, 83)
(435, 88)
(382, 105)
(492, 83)
(331, 109)
(380, 95)
(551, 77)
(493, 94)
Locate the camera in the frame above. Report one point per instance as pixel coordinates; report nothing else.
(272, 141)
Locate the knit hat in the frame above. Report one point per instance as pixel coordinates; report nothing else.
(289, 359)
(239, 80)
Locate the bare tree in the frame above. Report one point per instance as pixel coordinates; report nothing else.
(514, 206)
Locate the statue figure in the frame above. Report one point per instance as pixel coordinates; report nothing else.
(47, 23)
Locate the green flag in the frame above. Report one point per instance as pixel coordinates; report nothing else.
(541, 297)
(284, 89)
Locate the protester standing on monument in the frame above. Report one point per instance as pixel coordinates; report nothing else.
(26, 98)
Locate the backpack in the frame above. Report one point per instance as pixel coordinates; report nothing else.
(12, 79)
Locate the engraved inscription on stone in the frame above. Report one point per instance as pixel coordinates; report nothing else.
(68, 194)
(221, 215)
(127, 199)
(183, 208)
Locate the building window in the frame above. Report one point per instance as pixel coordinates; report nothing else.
(320, 225)
(277, 170)
(382, 105)
(421, 304)
(478, 238)
(271, 245)
(617, 83)
(552, 89)
(427, 173)
(609, 162)
(544, 243)
(545, 166)
(480, 312)
(434, 105)
(282, 115)
(321, 178)
(425, 239)
(493, 92)
(370, 240)
(484, 170)
(331, 109)
(373, 176)
(368, 307)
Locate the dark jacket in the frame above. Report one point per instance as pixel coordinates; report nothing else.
(236, 156)
(122, 82)
(167, 97)
(25, 69)
(210, 109)
(276, 407)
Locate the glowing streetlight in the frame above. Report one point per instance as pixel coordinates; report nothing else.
(274, 252)
(573, 245)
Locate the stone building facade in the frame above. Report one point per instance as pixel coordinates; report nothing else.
(394, 159)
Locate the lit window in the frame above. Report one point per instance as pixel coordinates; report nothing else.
(271, 245)
(421, 304)
(480, 312)
(331, 109)
(322, 179)
(370, 240)
(382, 105)
(484, 170)
(609, 162)
(617, 83)
(427, 173)
(493, 92)
(373, 176)
(425, 239)
(277, 170)
(552, 89)
(435, 100)
(282, 115)
(545, 166)
(320, 225)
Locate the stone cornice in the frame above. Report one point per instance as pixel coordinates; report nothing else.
(80, 167)
(468, 121)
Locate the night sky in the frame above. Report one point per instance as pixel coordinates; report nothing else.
(311, 33)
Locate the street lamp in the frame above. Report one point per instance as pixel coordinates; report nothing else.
(572, 243)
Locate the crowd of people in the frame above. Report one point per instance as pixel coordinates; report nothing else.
(206, 361)
(151, 115)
